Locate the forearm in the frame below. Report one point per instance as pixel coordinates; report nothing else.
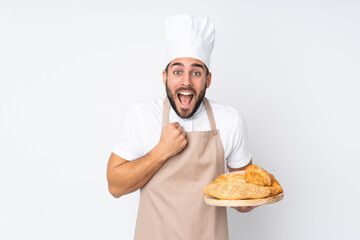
(129, 176)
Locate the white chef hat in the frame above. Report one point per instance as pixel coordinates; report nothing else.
(189, 36)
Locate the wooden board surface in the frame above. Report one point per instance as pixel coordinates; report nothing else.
(242, 203)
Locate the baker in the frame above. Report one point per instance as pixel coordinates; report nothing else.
(172, 146)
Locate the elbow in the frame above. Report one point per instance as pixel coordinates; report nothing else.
(116, 195)
(115, 192)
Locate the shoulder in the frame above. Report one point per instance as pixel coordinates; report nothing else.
(225, 113)
(233, 133)
(229, 121)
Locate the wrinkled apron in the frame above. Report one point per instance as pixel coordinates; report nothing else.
(171, 204)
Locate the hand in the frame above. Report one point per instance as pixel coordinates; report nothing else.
(244, 209)
(172, 140)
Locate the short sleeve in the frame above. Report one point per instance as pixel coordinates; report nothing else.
(240, 154)
(128, 144)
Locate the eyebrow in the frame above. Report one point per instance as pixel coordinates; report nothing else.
(176, 64)
(197, 65)
(182, 65)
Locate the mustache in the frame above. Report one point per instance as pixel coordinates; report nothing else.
(186, 89)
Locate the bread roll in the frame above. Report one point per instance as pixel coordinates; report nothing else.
(275, 187)
(231, 177)
(256, 175)
(235, 190)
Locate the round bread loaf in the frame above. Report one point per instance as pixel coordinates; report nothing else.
(257, 175)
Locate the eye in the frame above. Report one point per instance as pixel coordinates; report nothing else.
(177, 72)
(196, 73)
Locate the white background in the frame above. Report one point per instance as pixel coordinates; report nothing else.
(69, 69)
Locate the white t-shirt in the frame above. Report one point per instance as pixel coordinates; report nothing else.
(140, 130)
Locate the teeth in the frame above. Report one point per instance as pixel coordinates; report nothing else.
(186, 93)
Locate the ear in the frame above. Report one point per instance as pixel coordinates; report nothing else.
(208, 80)
(164, 77)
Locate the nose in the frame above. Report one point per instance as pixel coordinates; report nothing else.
(186, 81)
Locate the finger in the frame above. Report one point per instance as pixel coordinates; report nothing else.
(245, 209)
(183, 136)
(184, 133)
(176, 124)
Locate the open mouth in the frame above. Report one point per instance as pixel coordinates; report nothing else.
(185, 98)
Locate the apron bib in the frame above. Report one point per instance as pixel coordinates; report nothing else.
(171, 204)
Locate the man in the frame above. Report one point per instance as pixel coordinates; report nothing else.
(170, 147)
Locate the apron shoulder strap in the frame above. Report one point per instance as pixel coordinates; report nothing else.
(210, 114)
(166, 112)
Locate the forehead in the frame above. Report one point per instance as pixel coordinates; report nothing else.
(187, 62)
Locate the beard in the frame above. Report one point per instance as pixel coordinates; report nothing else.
(185, 113)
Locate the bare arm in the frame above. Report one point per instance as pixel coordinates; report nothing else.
(128, 176)
(239, 169)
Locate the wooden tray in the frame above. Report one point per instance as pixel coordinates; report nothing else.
(242, 203)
